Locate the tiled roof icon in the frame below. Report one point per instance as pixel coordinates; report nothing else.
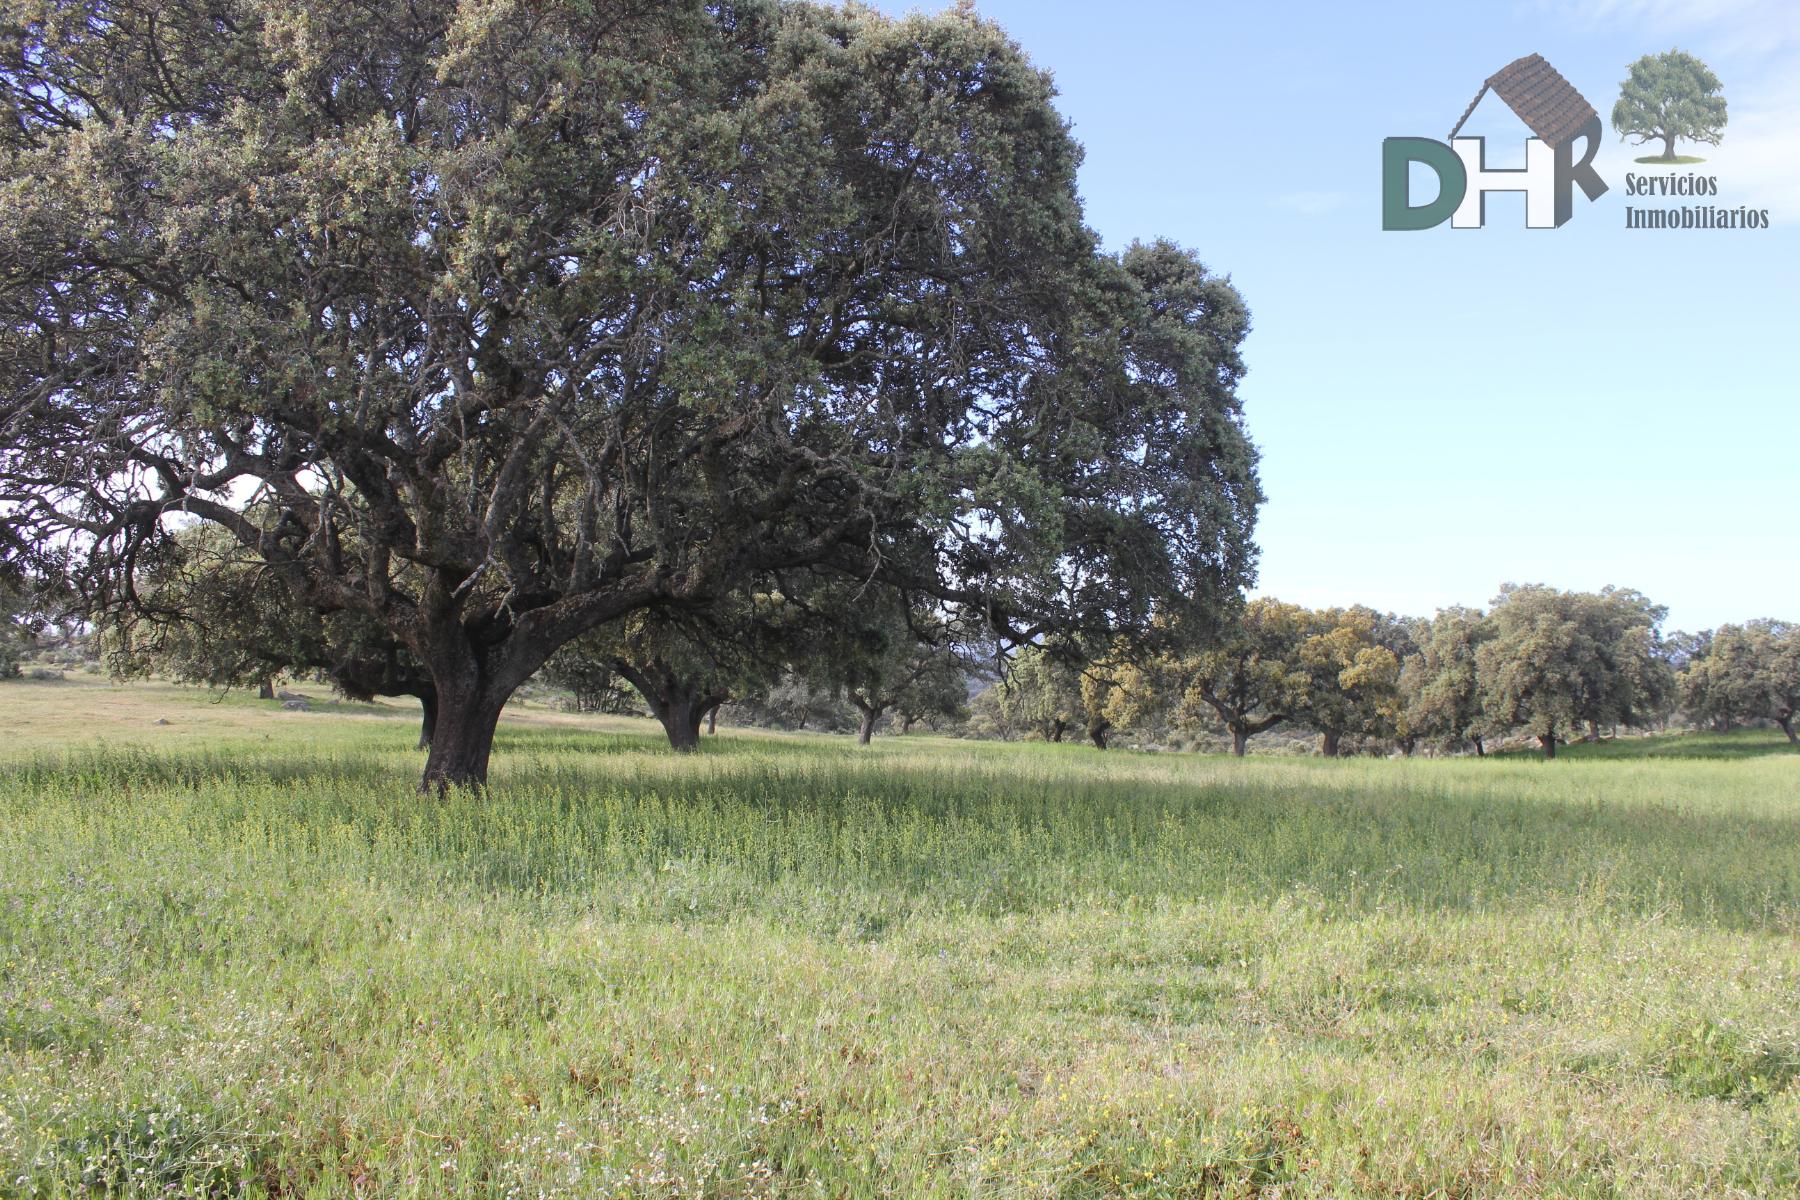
(1547, 103)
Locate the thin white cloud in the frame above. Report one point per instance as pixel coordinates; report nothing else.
(1752, 28)
(1754, 46)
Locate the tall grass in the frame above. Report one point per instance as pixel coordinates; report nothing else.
(789, 966)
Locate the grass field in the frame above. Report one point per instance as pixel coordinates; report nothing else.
(240, 956)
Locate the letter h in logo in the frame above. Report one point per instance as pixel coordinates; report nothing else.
(1537, 180)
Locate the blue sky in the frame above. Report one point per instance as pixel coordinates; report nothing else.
(1445, 410)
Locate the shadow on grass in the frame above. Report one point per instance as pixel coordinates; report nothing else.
(1738, 744)
(841, 838)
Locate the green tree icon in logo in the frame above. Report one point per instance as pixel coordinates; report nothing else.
(1669, 96)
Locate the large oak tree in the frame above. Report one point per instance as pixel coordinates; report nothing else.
(1557, 661)
(493, 322)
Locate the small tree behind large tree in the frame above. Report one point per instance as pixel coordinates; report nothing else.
(1670, 96)
(19, 620)
(687, 662)
(206, 611)
(911, 670)
(1251, 678)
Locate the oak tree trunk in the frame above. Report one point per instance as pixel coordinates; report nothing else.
(427, 720)
(1240, 740)
(1480, 747)
(712, 720)
(1668, 147)
(1097, 734)
(679, 703)
(462, 738)
(680, 717)
(1056, 730)
(266, 691)
(1328, 743)
(1787, 727)
(1548, 742)
(866, 728)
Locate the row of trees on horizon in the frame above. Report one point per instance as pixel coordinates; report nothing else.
(1553, 666)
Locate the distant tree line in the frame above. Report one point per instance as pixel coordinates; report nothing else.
(1552, 665)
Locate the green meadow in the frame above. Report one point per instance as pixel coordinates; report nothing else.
(241, 956)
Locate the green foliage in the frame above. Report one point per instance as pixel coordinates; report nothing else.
(1333, 670)
(16, 628)
(1560, 662)
(1048, 696)
(1440, 685)
(1348, 678)
(520, 319)
(1744, 673)
(1670, 96)
(881, 653)
(1252, 678)
(207, 611)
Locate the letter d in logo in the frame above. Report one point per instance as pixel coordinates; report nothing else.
(1397, 156)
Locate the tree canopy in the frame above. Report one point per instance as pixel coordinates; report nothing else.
(1439, 684)
(1670, 96)
(1747, 672)
(1558, 661)
(493, 323)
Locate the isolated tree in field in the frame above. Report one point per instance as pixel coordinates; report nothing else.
(1439, 686)
(1712, 687)
(1252, 678)
(1670, 96)
(1558, 661)
(893, 658)
(517, 319)
(1636, 684)
(1748, 672)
